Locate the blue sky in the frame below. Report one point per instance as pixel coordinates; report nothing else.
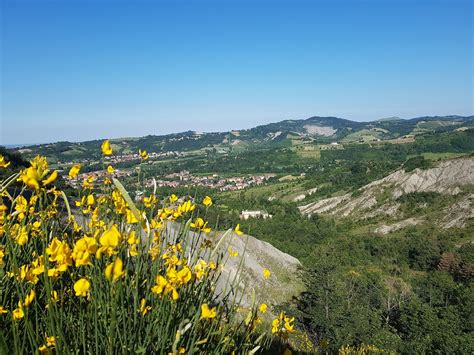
(78, 70)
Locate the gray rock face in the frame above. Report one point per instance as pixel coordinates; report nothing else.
(253, 256)
(446, 178)
(320, 130)
(459, 213)
(385, 229)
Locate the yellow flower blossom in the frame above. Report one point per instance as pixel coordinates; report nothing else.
(200, 269)
(90, 200)
(289, 326)
(266, 273)
(35, 228)
(173, 198)
(233, 253)
(2, 254)
(119, 202)
(200, 225)
(154, 252)
(25, 273)
(38, 266)
(51, 178)
(106, 148)
(131, 218)
(144, 309)
(30, 298)
(18, 313)
(83, 249)
(36, 175)
(164, 287)
(3, 162)
(143, 154)
(3, 310)
(283, 325)
(207, 201)
(74, 171)
(263, 308)
(21, 204)
(109, 241)
(50, 343)
(114, 270)
(149, 201)
(160, 285)
(208, 313)
(60, 253)
(184, 276)
(184, 208)
(81, 287)
(22, 236)
(88, 182)
(54, 296)
(237, 230)
(133, 241)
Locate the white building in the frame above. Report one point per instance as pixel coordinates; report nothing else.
(246, 214)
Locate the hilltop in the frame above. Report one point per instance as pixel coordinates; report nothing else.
(317, 130)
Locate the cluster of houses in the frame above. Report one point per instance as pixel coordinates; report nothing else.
(120, 158)
(152, 156)
(185, 178)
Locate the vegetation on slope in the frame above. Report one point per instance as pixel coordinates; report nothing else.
(410, 290)
(112, 279)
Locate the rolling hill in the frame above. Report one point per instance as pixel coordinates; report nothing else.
(313, 130)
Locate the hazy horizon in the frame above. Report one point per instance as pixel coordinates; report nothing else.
(25, 144)
(79, 71)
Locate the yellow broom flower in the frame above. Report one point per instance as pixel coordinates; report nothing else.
(114, 270)
(3, 162)
(81, 287)
(106, 148)
(207, 201)
(74, 171)
(208, 313)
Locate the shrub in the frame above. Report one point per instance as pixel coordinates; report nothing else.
(111, 277)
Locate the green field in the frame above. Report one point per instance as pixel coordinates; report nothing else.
(442, 156)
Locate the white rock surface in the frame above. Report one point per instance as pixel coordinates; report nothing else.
(447, 178)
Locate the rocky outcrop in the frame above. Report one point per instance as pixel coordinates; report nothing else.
(448, 177)
(459, 213)
(385, 229)
(251, 257)
(325, 131)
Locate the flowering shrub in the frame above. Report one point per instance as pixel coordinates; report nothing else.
(362, 349)
(114, 276)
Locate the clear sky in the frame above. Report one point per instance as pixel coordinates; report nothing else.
(77, 70)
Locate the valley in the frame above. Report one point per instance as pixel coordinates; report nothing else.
(375, 216)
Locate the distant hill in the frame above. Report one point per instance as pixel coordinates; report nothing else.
(280, 134)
